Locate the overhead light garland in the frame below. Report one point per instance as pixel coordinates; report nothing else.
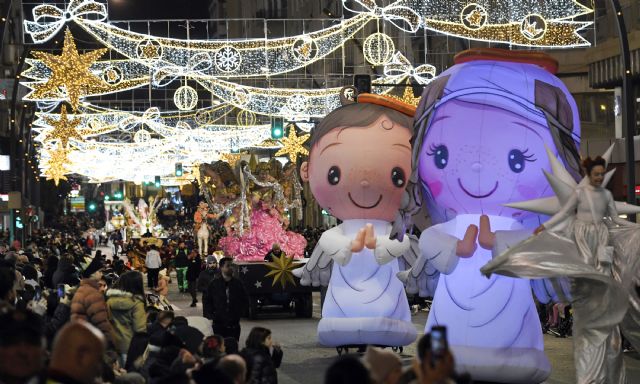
(228, 58)
(55, 165)
(543, 23)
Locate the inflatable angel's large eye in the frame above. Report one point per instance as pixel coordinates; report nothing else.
(334, 175)
(440, 155)
(397, 177)
(518, 158)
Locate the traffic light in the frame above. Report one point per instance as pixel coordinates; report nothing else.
(117, 195)
(157, 182)
(362, 83)
(92, 207)
(178, 172)
(277, 128)
(107, 197)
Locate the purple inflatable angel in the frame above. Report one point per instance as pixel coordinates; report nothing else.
(479, 142)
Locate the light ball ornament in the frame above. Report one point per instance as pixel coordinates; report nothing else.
(185, 98)
(246, 118)
(378, 49)
(142, 136)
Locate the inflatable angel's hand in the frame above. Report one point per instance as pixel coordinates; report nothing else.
(467, 246)
(357, 244)
(486, 238)
(370, 237)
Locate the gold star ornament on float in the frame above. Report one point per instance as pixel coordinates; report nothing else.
(282, 270)
(63, 129)
(293, 145)
(70, 73)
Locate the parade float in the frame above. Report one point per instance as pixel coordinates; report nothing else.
(255, 212)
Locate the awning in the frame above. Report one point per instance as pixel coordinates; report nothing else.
(607, 73)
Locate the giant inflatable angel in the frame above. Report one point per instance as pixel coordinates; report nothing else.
(359, 161)
(587, 242)
(479, 142)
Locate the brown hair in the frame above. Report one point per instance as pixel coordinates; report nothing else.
(357, 115)
(590, 163)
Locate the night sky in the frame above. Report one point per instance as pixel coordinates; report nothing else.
(158, 9)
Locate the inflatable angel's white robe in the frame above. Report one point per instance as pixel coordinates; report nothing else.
(493, 326)
(365, 302)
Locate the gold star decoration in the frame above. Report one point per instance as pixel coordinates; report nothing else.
(293, 145)
(69, 73)
(231, 158)
(475, 18)
(57, 165)
(63, 129)
(282, 270)
(407, 95)
(304, 50)
(148, 50)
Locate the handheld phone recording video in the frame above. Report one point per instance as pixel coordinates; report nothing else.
(439, 344)
(61, 291)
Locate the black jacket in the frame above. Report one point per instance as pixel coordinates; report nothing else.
(66, 273)
(223, 312)
(182, 259)
(262, 365)
(194, 268)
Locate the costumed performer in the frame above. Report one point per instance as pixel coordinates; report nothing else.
(479, 141)
(587, 242)
(360, 157)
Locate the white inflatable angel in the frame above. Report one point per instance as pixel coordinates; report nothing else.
(359, 158)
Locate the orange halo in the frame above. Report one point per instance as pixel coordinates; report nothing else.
(387, 102)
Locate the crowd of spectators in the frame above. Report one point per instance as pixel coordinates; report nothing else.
(68, 314)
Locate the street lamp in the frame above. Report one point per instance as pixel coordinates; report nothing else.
(627, 103)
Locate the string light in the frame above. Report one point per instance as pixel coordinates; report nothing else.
(229, 58)
(544, 23)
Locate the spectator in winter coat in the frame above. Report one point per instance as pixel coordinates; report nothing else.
(228, 299)
(88, 304)
(206, 276)
(66, 272)
(153, 262)
(163, 283)
(262, 357)
(193, 271)
(127, 308)
(52, 265)
(96, 264)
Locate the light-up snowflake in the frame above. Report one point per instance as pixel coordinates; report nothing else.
(228, 59)
(297, 103)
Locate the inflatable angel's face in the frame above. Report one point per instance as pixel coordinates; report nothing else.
(361, 172)
(476, 157)
(485, 126)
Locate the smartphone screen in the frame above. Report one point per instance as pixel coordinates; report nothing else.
(438, 343)
(60, 290)
(38, 294)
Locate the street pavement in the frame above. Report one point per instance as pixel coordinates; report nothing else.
(305, 361)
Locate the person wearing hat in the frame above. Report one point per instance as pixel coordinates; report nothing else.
(204, 279)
